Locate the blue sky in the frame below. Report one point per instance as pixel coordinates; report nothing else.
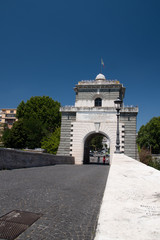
(47, 46)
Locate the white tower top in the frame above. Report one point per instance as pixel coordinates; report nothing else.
(100, 76)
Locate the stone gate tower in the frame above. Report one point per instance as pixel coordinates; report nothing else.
(94, 113)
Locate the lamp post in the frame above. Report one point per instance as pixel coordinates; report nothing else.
(118, 103)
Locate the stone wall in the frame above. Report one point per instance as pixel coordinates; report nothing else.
(129, 119)
(80, 123)
(86, 97)
(82, 130)
(11, 159)
(65, 139)
(89, 94)
(156, 157)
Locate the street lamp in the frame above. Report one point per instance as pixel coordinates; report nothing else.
(118, 104)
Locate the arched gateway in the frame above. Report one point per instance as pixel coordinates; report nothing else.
(87, 141)
(94, 112)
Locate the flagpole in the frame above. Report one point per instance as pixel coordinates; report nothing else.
(101, 66)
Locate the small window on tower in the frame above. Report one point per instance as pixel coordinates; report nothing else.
(98, 102)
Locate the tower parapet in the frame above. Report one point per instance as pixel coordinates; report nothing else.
(107, 90)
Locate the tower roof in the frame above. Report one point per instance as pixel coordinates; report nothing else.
(100, 76)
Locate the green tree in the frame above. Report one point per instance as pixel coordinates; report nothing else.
(43, 108)
(35, 130)
(1, 132)
(37, 118)
(51, 143)
(16, 136)
(96, 142)
(149, 135)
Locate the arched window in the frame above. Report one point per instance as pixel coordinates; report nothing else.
(98, 102)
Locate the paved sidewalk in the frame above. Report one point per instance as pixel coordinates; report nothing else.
(131, 205)
(68, 196)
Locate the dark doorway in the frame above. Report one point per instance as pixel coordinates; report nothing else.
(96, 149)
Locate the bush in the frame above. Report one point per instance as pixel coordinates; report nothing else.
(146, 158)
(51, 143)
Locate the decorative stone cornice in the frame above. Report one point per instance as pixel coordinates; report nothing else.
(130, 109)
(97, 82)
(99, 109)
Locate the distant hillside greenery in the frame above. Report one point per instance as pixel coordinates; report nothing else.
(38, 119)
(148, 141)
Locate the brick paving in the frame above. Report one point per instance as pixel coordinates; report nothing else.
(68, 196)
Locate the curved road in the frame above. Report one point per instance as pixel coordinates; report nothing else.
(68, 196)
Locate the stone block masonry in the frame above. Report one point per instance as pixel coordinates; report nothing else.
(12, 159)
(128, 117)
(94, 113)
(64, 147)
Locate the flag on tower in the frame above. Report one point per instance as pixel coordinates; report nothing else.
(102, 63)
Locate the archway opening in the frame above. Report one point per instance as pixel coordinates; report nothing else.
(96, 149)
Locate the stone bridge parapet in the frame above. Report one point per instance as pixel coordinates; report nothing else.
(12, 159)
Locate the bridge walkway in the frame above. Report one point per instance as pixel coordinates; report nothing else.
(130, 208)
(67, 196)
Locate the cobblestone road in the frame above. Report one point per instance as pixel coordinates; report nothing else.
(68, 196)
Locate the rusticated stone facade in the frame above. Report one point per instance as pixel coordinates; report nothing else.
(94, 112)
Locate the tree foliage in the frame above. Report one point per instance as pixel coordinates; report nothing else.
(43, 108)
(51, 143)
(146, 158)
(37, 118)
(2, 127)
(96, 142)
(149, 135)
(15, 137)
